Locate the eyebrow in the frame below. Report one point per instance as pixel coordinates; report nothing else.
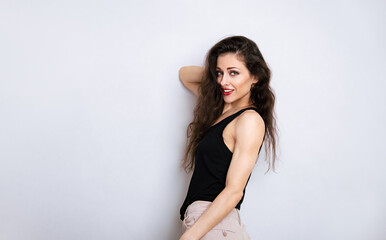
(230, 68)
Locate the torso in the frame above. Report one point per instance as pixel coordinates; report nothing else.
(229, 131)
(228, 135)
(213, 157)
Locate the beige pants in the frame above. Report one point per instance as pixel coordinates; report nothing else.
(230, 227)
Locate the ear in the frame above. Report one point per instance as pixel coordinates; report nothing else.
(254, 79)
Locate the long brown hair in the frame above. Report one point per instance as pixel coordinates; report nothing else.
(210, 101)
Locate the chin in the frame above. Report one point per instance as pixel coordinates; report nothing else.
(229, 101)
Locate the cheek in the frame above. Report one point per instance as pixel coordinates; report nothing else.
(243, 85)
(218, 80)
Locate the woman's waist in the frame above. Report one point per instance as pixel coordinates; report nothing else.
(199, 206)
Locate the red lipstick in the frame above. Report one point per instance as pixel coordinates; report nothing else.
(227, 92)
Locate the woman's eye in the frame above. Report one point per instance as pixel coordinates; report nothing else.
(218, 73)
(234, 73)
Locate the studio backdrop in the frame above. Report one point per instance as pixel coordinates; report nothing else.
(93, 117)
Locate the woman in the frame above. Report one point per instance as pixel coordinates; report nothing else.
(233, 116)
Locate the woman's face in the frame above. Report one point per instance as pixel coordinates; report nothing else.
(235, 79)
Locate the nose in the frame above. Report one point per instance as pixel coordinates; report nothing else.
(224, 80)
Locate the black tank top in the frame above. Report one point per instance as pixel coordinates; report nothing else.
(212, 160)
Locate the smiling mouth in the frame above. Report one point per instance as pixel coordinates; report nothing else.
(227, 92)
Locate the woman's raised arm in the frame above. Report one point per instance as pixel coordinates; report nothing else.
(191, 76)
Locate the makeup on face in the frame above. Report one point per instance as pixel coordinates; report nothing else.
(233, 76)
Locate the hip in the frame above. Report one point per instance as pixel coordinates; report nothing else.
(230, 227)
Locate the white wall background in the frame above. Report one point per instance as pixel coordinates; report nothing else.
(93, 116)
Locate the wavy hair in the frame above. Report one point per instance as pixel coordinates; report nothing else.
(210, 101)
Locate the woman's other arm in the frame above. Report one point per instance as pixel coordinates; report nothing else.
(191, 76)
(249, 133)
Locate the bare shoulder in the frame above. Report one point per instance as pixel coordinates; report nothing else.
(250, 118)
(249, 125)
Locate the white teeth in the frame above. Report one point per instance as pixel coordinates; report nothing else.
(228, 90)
